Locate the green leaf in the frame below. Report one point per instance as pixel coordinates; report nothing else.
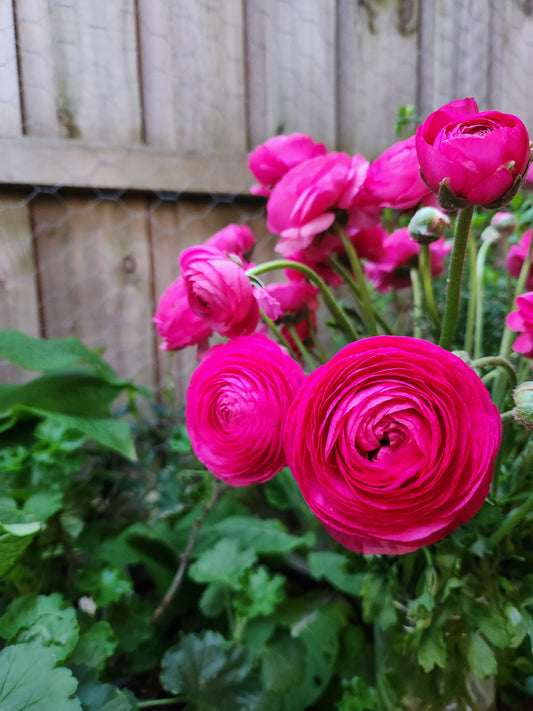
(30, 681)
(41, 620)
(378, 602)
(213, 599)
(224, 563)
(103, 584)
(332, 567)
(283, 664)
(432, 649)
(96, 696)
(94, 646)
(359, 696)
(14, 539)
(261, 535)
(210, 672)
(481, 657)
(260, 595)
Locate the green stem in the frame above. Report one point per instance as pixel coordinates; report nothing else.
(473, 296)
(360, 281)
(508, 416)
(480, 271)
(277, 332)
(497, 362)
(334, 308)
(161, 702)
(301, 347)
(512, 521)
(455, 275)
(417, 300)
(427, 285)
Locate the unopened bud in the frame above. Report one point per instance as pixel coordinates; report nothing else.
(428, 225)
(505, 223)
(523, 399)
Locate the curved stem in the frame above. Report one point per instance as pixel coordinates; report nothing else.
(497, 362)
(480, 271)
(472, 298)
(512, 521)
(334, 308)
(455, 275)
(360, 281)
(301, 347)
(417, 299)
(427, 285)
(277, 332)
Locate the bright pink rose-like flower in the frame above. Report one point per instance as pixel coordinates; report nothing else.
(521, 321)
(392, 443)
(270, 161)
(307, 200)
(400, 255)
(393, 179)
(237, 400)
(233, 239)
(480, 155)
(176, 324)
(220, 293)
(516, 256)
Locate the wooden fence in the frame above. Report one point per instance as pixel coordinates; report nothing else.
(125, 124)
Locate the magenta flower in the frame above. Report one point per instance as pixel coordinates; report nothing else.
(176, 324)
(270, 161)
(237, 401)
(308, 199)
(392, 443)
(221, 294)
(400, 255)
(516, 257)
(481, 155)
(233, 239)
(393, 179)
(521, 321)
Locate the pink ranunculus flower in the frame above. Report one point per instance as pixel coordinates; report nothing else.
(400, 254)
(481, 156)
(521, 321)
(233, 239)
(176, 324)
(393, 179)
(220, 292)
(271, 160)
(308, 199)
(236, 404)
(392, 443)
(516, 257)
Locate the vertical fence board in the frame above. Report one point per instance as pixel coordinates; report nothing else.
(10, 117)
(455, 51)
(95, 272)
(377, 71)
(292, 69)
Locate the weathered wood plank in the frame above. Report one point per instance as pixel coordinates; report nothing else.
(18, 289)
(94, 267)
(455, 52)
(377, 51)
(10, 116)
(78, 164)
(292, 69)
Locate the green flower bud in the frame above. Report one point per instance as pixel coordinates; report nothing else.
(428, 225)
(523, 399)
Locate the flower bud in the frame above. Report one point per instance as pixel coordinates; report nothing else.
(505, 223)
(523, 398)
(428, 225)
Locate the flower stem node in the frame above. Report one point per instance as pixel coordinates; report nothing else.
(523, 399)
(428, 225)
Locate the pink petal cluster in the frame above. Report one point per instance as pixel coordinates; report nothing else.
(308, 199)
(480, 155)
(516, 257)
(233, 239)
(176, 324)
(400, 255)
(521, 321)
(237, 401)
(392, 443)
(270, 161)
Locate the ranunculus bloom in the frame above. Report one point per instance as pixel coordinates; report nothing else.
(220, 293)
(393, 179)
(480, 155)
(392, 443)
(521, 321)
(270, 161)
(308, 199)
(516, 257)
(233, 239)
(176, 324)
(400, 255)
(236, 404)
